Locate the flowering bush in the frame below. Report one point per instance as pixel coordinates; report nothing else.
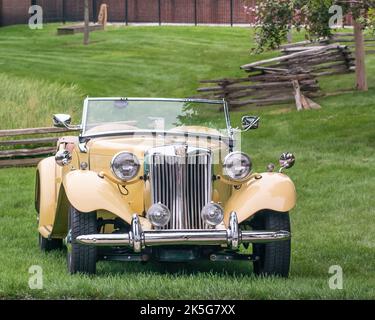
(273, 20)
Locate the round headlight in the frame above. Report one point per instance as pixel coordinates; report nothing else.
(159, 215)
(125, 165)
(237, 165)
(212, 214)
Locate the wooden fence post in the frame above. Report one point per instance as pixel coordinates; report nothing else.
(297, 95)
(290, 35)
(86, 33)
(360, 68)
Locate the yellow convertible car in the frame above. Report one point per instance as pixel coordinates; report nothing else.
(158, 180)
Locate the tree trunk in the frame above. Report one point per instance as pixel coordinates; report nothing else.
(360, 57)
(290, 35)
(86, 33)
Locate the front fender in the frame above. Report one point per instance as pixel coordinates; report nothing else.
(87, 192)
(274, 191)
(45, 195)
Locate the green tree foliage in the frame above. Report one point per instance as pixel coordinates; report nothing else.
(275, 17)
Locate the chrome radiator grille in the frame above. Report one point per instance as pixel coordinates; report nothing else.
(183, 184)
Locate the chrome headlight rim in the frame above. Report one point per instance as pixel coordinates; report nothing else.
(225, 169)
(136, 161)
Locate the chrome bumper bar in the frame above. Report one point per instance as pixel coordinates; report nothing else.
(138, 239)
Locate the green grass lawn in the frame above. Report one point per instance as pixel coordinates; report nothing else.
(333, 223)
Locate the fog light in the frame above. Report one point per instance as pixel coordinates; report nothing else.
(212, 214)
(159, 215)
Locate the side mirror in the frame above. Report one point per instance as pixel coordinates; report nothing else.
(250, 123)
(62, 120)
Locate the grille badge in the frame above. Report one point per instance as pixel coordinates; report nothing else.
(181, 150)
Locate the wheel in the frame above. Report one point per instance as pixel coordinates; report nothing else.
(274, 257)
(49, 244)
(81, 258)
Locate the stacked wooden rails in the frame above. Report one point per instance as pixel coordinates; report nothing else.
(17, 148)
(316, 60)
(290, 77)
(346, 39)
(266, 88)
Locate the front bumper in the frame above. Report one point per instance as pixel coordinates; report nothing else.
(138, 239)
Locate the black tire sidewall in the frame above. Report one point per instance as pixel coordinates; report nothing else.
(274, 257)
(81, 258)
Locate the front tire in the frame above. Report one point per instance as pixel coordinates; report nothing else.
(274, 257)
(81, 258)
(47, 245)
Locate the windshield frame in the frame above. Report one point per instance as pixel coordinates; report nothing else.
(127, 132)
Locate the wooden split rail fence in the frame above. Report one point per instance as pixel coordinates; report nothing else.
(17, 148)
(268, 89)
(290, 77)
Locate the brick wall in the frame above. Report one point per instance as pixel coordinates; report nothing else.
(52, 10)
(14, 11)
(171, 11)
(176, 11)
(74, 9)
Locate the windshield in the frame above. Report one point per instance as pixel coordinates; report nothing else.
(103, 116)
